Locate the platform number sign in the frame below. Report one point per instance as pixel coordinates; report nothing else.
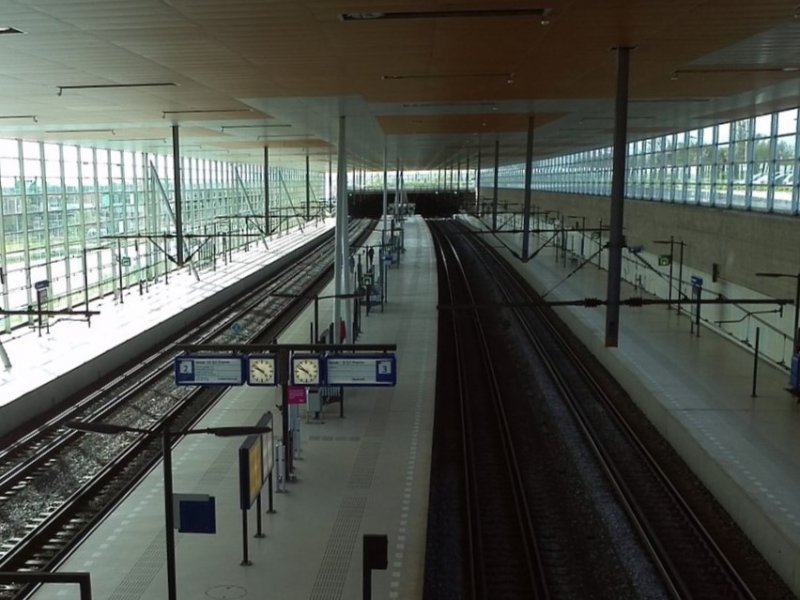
(209, 370)
(361, 369)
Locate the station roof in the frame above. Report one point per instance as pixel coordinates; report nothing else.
(431, 80)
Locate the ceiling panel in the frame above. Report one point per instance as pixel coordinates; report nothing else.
(419, 87)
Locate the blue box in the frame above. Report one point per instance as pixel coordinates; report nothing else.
(794, 376)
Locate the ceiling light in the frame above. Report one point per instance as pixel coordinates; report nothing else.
(713, 70)
(32, 117)
(508, 76)
(7, 29)
(100, 86)
(111, 131)
(224, 127)
(445, 14)
(204, 110)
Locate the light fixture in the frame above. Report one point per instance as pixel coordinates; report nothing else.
(446, 14)
(444, 104)
(203, 111)
(285, 135)
(102, 86)
(224, 127)
(6, 29)
(667, 100)
(32, 117)
(111, 131)
(717, 70)
(508, 76)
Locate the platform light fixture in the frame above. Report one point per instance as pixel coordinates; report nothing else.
(732, 69)
(107, 86)
(21, 117)
(262, 126)
(6, 29)
(509, 76)
(192, 111)
(111, 131)
(542, 13)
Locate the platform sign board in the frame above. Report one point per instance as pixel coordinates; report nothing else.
(42, 285)
(250, 471)
(362, 369)
(664, 260)
(194, 513)
(209, 370)
(267, 446)
(697, 281)
(297, 394)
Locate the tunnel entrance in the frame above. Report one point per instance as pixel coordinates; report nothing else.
(369, 205)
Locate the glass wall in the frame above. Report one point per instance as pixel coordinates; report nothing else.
(89, 220)
(748, 164)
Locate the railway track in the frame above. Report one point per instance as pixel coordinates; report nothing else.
(56, 483)
(608, 522)
(501, 552)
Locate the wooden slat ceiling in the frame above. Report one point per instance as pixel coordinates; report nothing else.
(432, 90)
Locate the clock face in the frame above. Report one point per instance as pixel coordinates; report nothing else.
(306, 370)
(261, 370)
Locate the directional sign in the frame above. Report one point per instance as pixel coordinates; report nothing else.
(697, 281)
(125, 260)
(209, 370)
(361, 369)
(664, 260)
(42, 285)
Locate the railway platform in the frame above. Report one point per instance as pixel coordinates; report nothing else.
(365, 473)
(46, 365)
(696, 390)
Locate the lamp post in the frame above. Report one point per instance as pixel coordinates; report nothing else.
(795, 333)
(166, 438)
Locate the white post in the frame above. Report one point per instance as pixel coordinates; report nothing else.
(341, 242)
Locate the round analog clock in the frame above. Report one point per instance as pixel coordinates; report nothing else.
(306, 370)
(261, 370)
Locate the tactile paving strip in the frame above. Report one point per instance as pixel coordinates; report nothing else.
(332, 572)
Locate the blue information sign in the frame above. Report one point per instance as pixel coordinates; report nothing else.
(209, 370)
(42, 285)
(697, 281)
(361, 369)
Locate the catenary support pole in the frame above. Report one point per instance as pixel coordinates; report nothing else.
(176, 170)
(385, 197)
(478, 185)
(340, 257)
(308, 189)
(494, 192)
(267, 230)
(526, 215)
(616, 240)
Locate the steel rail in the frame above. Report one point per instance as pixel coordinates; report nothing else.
(678, 586)
(18, 554)
(522, 512)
